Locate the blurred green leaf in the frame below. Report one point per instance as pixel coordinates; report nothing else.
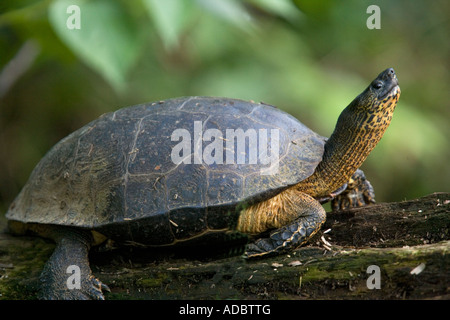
(318, 9)
(284, 8)
(107, 41)
(232, 11)
(170, 18)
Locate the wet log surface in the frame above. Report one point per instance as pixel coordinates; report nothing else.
(401, 247)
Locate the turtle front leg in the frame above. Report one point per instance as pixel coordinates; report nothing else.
(67, 275)
(310, 216)
(359, 192)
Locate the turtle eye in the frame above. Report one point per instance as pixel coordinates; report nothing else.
(377, 84)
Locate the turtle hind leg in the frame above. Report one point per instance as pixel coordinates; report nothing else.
(67, 275)
(359, 192)
(310, 217)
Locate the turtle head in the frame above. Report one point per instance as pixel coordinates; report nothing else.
(377, 101)
(358, 130)
(385, 85)
(371, 112)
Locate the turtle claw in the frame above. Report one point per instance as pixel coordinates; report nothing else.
(359, 193)
(287, 237)
(91, 289)
(95, 292)
(262, 248)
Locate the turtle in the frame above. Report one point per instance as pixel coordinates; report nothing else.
(178, 171)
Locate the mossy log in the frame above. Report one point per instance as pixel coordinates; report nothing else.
(407, 242)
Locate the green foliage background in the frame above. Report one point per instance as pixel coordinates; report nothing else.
(310, 58)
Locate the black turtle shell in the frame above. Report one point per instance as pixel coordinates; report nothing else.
(117, 174)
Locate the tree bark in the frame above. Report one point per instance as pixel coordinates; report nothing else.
(383, 251)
